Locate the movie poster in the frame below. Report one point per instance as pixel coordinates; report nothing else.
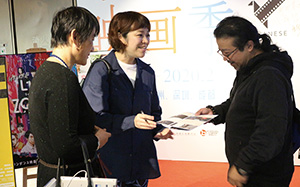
(20, 71)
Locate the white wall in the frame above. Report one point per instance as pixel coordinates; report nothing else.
(33, 22)
(33, 19)
(6, 41)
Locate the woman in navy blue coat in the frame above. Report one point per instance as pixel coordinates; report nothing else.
(126, 102)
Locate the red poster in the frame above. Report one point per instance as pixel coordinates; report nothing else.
(20, 71)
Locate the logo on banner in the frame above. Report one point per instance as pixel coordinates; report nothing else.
(204, 132)
(264, 12)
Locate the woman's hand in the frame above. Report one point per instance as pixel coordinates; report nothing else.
(144, 121)
(102, 136)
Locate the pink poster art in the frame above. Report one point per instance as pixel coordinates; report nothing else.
(20, 70)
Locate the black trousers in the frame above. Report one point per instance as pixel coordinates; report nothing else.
(261, 181)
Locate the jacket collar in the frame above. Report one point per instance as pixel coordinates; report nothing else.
(117, 70)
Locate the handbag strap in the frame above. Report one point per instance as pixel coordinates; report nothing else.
(58, 174)
(107, 64)
(87, 162)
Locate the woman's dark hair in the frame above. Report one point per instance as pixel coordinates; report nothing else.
(243, 31)
(78, 18)
(122, 23)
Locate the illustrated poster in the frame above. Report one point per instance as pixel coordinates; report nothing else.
(20, 71)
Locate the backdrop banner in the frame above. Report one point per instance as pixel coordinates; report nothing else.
(189, 72)
(6, 158)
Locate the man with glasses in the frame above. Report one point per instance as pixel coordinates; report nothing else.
(226, 55)
(258, 113)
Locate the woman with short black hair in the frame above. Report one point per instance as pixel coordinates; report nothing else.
(60, 115)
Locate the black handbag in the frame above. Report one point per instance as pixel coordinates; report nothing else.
(93, 166)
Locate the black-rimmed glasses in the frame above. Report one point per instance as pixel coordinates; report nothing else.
(226, 56)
